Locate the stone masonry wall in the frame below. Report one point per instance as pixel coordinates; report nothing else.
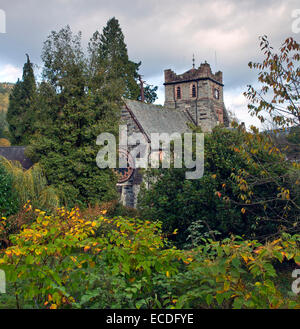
(129, 190)
(206, 110)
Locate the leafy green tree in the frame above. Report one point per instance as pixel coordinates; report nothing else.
(247, 189)
(21, 114)
(72, 114)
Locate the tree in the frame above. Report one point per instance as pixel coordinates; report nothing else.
(247, 189)
(21, 114)
(109, 62)
(150, 94)
(72, 114)
(279, 74)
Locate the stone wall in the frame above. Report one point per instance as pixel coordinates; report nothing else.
(129, 190)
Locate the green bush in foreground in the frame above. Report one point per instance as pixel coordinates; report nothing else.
(67, 261)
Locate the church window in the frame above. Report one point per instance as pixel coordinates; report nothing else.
(216, 94)
(194, 91)
(178, 93)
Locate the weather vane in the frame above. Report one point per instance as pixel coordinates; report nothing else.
(193, 61)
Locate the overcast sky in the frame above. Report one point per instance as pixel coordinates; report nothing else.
(161, 33)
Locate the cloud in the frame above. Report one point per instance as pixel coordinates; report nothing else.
(237, 103)
(160, 33)
(10, 73)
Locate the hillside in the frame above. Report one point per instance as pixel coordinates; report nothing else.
(5, 89)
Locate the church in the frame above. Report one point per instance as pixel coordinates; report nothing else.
(194, 97)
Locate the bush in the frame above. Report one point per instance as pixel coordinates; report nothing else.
(4, 142)
(246, 190)
(238, 274)
(67, 261)
(32, 185)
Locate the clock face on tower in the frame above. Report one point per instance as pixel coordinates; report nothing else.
(124, 174)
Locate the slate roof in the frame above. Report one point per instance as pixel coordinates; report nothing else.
(156, 119)
(16, 153)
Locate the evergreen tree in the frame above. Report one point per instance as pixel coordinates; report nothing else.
(20, 114)
(109, 59)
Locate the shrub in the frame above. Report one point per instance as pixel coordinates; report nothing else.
(246, 190)
(64, 260)
(32, 185)
(67, 261)
(238, 274)
(4, 142)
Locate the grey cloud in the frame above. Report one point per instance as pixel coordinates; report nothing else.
(161, 33)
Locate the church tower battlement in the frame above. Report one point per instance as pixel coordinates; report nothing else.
(198, 93)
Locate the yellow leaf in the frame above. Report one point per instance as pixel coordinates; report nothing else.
(245, 258)
(226, 285)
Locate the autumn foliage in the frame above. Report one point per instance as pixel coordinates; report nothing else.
(63, 260)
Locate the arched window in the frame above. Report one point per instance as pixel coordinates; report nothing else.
(193, 91)
(178, 93)
(216, 94)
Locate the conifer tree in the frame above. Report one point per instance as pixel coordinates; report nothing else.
(109, 60)
(21, 114)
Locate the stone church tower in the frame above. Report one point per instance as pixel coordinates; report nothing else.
(198, 93)
(195, 96)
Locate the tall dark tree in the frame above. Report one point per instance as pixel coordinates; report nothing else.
(71, 116)
(109, 59)
(21, 114)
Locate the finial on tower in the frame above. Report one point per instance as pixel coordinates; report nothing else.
(193, 61)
